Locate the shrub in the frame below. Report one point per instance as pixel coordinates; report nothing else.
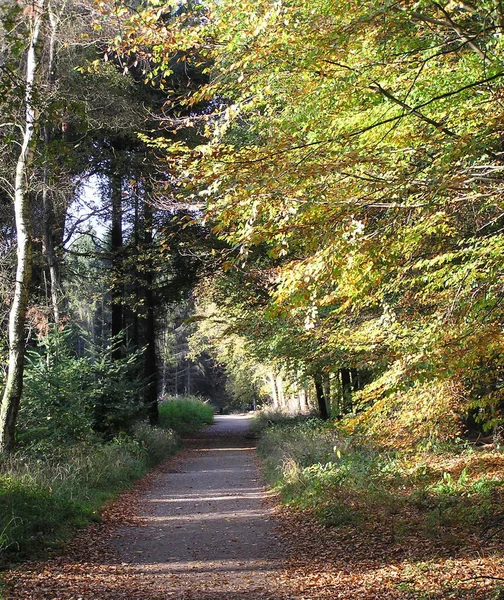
(70, 399)
(185, 414)
(158, 443)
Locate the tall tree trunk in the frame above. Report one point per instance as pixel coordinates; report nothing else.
(321, 399)
(116, 248)
(355, 380)
(150, 364)
(303, 400)
(280, 393)
(274, 393)
(135, 338)
(14, 385)
(47, 196)
(326, 383)
(346, 391)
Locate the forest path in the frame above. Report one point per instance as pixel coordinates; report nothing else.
(206, 530)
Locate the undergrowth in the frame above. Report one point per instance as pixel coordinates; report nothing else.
(348, 482)
(185, 414)
(47, 490)
(43, 498)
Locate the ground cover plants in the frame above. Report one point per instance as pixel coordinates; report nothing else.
(45, 493)
(411, 512)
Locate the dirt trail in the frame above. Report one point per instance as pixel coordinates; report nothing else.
(206, 529)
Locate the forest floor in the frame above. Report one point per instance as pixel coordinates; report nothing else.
(203, 527)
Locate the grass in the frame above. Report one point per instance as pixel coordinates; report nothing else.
(48, 491)
(44, 498)
(346, 482)
(185, 414)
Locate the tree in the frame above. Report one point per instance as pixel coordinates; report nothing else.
(349, 145)
(33, 18)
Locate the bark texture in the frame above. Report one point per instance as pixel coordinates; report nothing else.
(150, 364)
(321, 399)
(116, 243)
(14, 385)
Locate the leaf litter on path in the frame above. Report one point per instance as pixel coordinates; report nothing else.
(317, 563)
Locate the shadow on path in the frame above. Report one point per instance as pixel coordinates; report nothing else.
(206, 528)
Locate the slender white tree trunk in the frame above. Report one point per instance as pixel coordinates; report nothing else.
(280, 393)
(274, 393)
(14, 385)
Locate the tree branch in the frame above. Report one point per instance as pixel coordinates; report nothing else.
(449, 24)
(412, 110)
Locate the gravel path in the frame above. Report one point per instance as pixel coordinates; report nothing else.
(206, 531)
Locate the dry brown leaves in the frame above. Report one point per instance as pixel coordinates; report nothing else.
(344, 563)
(322, 563)
(87, 568)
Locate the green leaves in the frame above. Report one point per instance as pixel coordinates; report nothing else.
(355, 148)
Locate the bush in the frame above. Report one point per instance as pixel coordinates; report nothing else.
(70, 399)
(185, 414)
(159, 443)
(266, 418)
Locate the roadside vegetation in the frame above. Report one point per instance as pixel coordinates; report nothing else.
(43, 498)
(351, 481)
(437, 501)
(82, 438)
(185, 414)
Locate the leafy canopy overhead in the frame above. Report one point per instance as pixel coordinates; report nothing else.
(358, 146)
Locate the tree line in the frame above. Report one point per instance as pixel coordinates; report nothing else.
(325, 177)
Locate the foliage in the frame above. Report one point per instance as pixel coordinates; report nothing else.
(350, 149)
(44, 497)
(185, 414)
(245, 375)
(316, 467)
(157, 442)
(68, 398)
(53, 408)
(266, 418)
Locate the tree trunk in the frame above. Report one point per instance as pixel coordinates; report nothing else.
(303, 400)
(274, 394)
(280, 393)
(346, 391)
(150, 364)
(14, 385)
(135, 338)
(47, 199)
(321, 399)
(116, 243)
(326, 383)
(355, 380)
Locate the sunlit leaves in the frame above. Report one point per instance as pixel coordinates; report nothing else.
(357, 146)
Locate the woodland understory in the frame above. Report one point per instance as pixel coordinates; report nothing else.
(291, 206)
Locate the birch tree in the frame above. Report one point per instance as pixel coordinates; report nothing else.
(33, 16)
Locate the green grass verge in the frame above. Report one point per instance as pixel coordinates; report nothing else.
(185, 414)
(43, 498)
(47, 492)
(346, 482)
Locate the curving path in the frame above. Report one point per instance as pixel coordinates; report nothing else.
(207, 531)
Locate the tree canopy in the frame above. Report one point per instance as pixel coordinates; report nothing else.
(323, 178)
